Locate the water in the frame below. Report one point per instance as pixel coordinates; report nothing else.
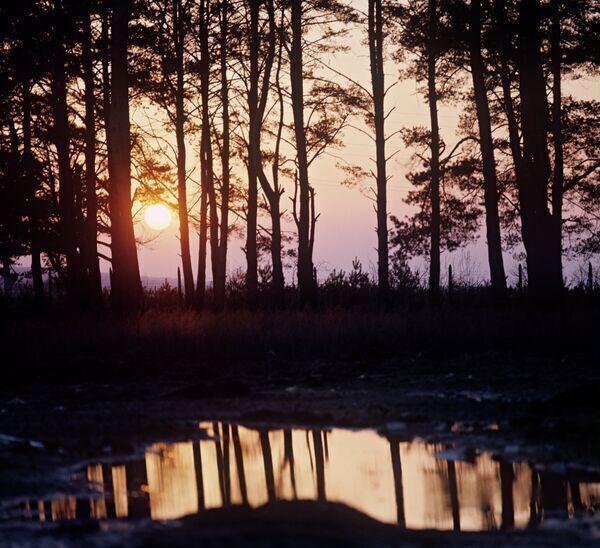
(416, 485)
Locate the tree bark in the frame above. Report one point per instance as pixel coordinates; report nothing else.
(221, 259)
(65, 176)
(538, 224)
(378, 84)
(257, 103)
(127, 289)
(434, 266)
(251, 236)
(36, 263)
(276, 241)
(558, 179)
(203, 237)
(92, 265)
(252, 204)
(184, 228)
(208, 207)
(492, 218)
(306, 282)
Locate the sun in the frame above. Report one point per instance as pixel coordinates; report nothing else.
(157, 216)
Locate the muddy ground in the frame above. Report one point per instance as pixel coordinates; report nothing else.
(543, 410)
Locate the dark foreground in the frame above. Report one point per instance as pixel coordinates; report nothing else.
(514, 406)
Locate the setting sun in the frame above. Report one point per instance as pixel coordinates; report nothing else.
(157, 216)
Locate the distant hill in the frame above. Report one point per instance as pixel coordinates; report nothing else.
(151, 282)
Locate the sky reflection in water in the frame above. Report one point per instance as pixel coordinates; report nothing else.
(394, 482)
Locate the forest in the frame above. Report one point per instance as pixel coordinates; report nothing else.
(245, 99)
(262, 397)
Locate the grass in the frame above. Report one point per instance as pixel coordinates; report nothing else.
(63, 347)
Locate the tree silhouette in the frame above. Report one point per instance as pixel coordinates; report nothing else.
(255, 86)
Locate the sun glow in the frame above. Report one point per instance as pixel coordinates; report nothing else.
(157, 216)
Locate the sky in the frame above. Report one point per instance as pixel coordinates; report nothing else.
(346, 225)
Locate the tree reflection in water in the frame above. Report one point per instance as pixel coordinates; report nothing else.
(389, 480)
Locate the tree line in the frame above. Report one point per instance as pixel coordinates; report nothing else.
(251, 82)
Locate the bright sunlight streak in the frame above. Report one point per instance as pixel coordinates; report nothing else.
(157, 216)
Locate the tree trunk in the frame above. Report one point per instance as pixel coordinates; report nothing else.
(492, 218)
(306, 283)
(208, 184)
(256, 109)
(434, 266)
(213, 213)
(221, 264)
(278, 281)
(184, 228)
(127, 288)
(91, 221)
(558, 180)
(538, 224)
(206, 159)
(65, 176)
(252, 214)
(105, 43)
(378, 85)
(203, 237)
(251, 233)
(105, 58)
(276, 244)
(36, 263)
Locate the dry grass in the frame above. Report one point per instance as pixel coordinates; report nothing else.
(71, 347)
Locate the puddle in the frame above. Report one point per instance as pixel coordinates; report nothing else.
(416, 485)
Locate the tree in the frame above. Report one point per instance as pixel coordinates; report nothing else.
(432, 98)
(258, 94)
(536, 46)
(220, 257)
(206, 156)
(375, 20)
(422, 36)
(24, 67)
(494, 240)
(458, 217)
(329, 106)
(179, 34)
(90, 251)
(127, 290)
(163, 45)
(540, 233)
(306, 282)
(61, 133)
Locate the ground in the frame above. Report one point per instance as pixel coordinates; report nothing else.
(542, 408)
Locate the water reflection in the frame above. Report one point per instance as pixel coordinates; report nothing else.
(406, 483)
